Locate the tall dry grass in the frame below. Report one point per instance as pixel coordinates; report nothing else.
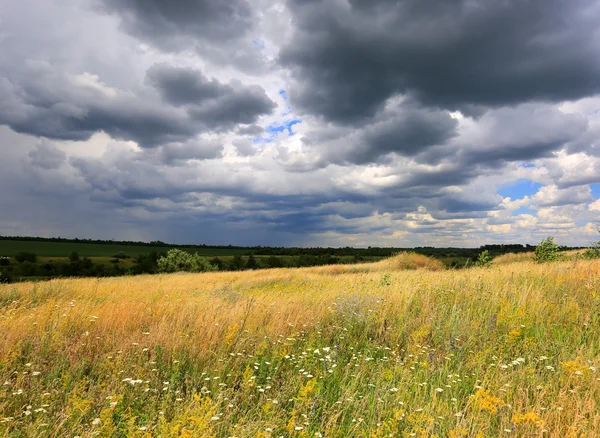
(484, 352)
(399, 262)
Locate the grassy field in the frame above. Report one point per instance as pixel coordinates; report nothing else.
(398, 348)
(9, 248)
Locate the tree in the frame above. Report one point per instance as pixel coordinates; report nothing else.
(177, 260)
(251, 263)
(86, 263)
(237, 263)
(26, 257)
(547, 251)
(484, 259)
(274, 262)
(74, 257)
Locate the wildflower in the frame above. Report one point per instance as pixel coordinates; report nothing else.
(96, 422)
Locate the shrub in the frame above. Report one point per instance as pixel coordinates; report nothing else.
(484, 259)
(251, 263)
(546, 251)
(121, 255)
(177, 260)
(4, 261)
(593, 252)
(26, 257)
(74, 257)
(5, 277)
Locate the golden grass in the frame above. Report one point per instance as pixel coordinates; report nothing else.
(399, 262)
(530, 256)
(482, 352)
(514, 258)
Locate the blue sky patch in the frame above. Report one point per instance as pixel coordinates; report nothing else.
(276, 128)
(285, 126)
(523, 210)
(595, 190)
(527, 165)
(518, 189)
(288, 108)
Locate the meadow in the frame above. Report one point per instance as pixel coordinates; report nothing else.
(398, 348)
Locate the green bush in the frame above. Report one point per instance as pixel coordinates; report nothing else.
(593, 252)
(5, 277)
(484, 259)
(177, 260)
(547, 251)
(26, 257)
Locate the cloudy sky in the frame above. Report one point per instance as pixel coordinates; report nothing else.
(301, 122)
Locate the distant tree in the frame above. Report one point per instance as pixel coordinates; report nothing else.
(547, 251)
(251, 263)
(237, 263)
(74, 257)
(216, 261)
(26, 257)
(121, 255)
(274, 262)
(177, 260)
(86, 263)
(28, 269)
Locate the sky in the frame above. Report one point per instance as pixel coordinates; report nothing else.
(301, 122)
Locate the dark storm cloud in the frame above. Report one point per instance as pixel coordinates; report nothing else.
(404, 129)
(215, 29)
(44, 103)
(169, 22)
(41, 102)
(209, 102)
(500, 136)
(348, 58)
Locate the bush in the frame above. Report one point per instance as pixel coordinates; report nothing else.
(4, 261)
(547, 251)
(274, 262)
(593, 252)
(484, 259)
(26, 257)
(121, 255)
(5, 277)
(251, 263)
(177, 260)
(74, 257)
